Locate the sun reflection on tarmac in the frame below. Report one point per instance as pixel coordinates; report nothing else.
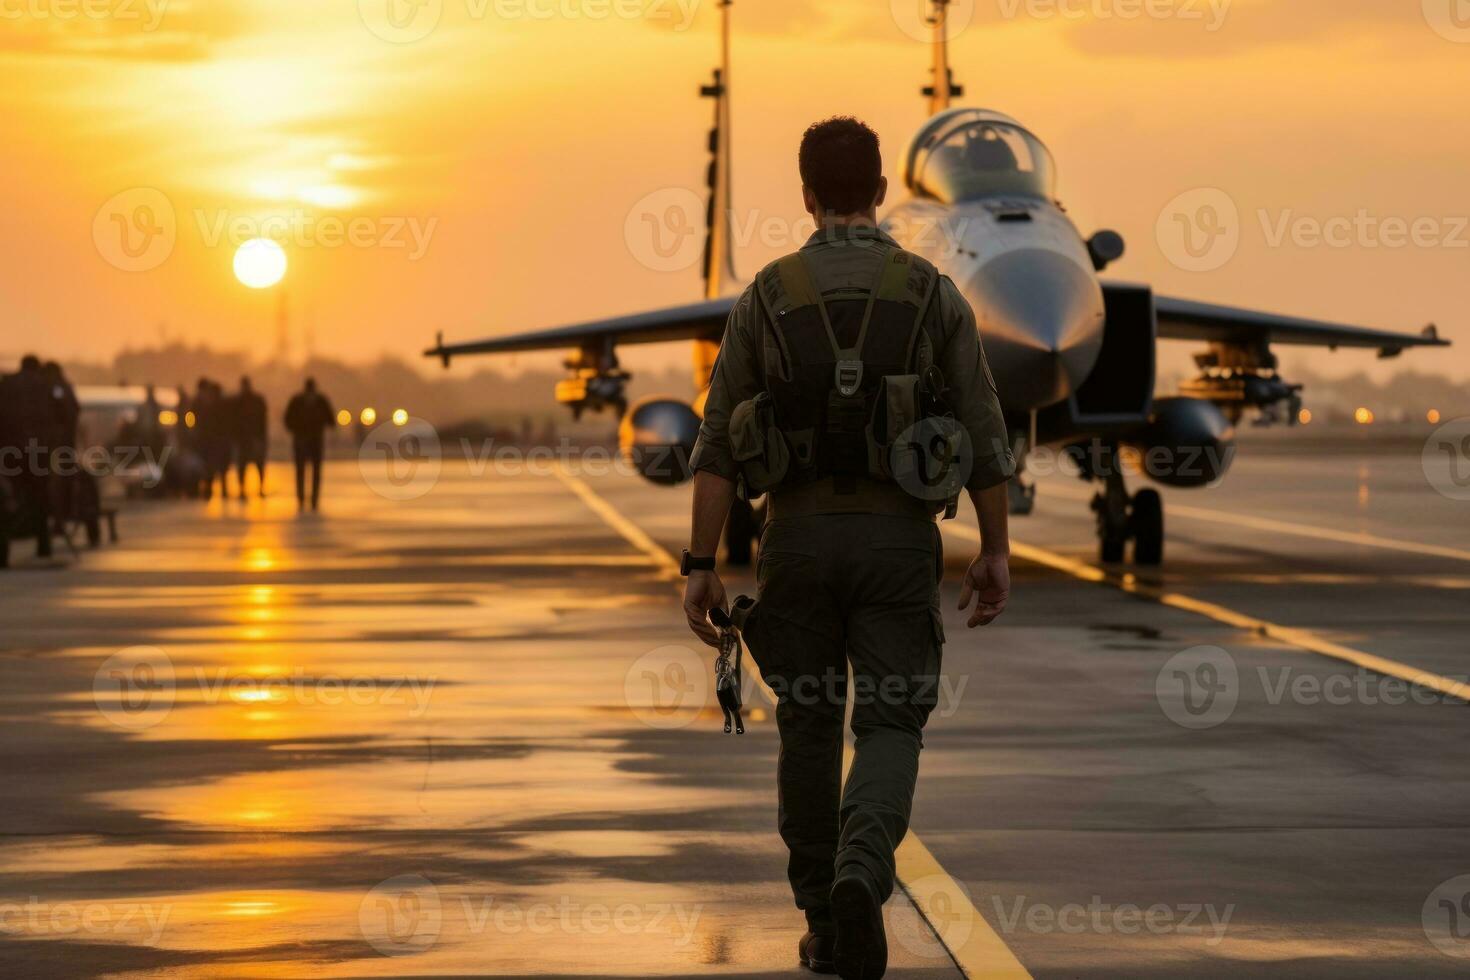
(356, 700)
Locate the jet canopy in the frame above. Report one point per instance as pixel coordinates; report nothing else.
(964, 154)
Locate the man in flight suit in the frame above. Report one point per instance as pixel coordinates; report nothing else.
(820, 356)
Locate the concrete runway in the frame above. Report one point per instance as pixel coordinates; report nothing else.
(467, 734)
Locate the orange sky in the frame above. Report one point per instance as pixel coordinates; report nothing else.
(480, 169)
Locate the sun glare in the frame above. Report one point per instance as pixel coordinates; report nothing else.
(260, 263)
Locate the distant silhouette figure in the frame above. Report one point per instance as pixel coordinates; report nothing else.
(32, 418)
(149, 428)
(65, 407)
(250, 434)
(212, 431)
(308, 417)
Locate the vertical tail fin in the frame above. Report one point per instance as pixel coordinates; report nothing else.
(719, 258)
(719, 262)
(943, 87)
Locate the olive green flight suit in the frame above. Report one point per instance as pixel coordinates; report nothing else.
(850, 580)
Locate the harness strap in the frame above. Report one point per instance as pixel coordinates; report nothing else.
(922, 316)
(892, 283)
(801, 288)
(878, 287)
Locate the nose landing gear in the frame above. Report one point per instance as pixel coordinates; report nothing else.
(1121, 517)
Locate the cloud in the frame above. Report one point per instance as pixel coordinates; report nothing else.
(1099, 28)
(1215, 28)
(130, 30)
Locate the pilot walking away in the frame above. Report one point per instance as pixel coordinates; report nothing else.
(852, 389)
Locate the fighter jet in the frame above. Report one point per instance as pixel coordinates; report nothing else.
(1073, 354)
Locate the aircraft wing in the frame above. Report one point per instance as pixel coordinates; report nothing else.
(697, 321)
(1181, 319)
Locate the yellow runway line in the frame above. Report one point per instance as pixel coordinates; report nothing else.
(1302, 638)
(977, 950)
(614, 518)
(1274, 526)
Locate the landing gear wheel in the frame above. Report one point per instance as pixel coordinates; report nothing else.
(740, 531)
(1121, 518)
(1147, 524)
(1021, 497)
(1111, 508)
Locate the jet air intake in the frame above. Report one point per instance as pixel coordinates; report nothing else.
(1188, 443)
(657, 437)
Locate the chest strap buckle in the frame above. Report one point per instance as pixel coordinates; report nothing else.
(849, 374)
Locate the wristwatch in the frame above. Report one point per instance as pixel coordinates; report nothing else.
(688, 563)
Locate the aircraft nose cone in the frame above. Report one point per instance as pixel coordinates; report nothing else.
(1041, 317)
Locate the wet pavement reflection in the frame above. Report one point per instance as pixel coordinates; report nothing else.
(461, 735)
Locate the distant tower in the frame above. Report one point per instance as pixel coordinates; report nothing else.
(283, 328)
(308, 332)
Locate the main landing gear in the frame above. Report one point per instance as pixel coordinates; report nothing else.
(1121, 518)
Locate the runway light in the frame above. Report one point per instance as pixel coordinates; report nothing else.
(190, 419)
(344, 417)
(400, 417)
(1304, 417)
(368, 416)
(1433, 416)
(168, 419)
(1363, 416)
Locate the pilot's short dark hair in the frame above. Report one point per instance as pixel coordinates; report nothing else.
(840, 162)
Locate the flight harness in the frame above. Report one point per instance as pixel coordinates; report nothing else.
(847, 411)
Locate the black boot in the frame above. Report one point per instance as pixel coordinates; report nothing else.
(815, 953)
(862, 948)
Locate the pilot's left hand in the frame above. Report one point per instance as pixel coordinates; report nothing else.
(988, 581)
(703, 592)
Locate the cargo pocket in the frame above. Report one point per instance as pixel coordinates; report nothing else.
(758, 446)
(891, 453)
(762, 646)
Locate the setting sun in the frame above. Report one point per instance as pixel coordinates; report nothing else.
(260, 263)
